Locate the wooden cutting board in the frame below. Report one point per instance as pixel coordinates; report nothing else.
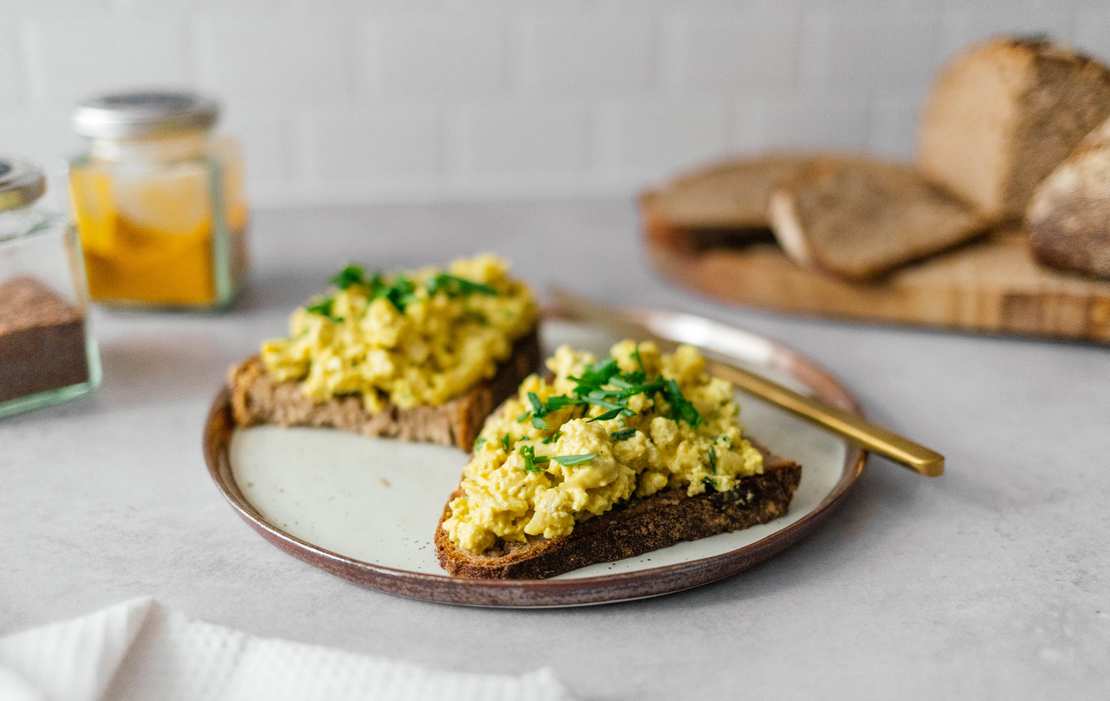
(991, 286)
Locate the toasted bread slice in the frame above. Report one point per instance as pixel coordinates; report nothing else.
(257, 398)
(1000, 116)
(1069, 216)
(860, 218)
(643, 525)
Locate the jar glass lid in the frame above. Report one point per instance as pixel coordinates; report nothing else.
(139, 113)
(21, 183)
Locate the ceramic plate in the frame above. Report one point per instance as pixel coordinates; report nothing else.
(366, 508)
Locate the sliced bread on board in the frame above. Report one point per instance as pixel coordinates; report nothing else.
(731, 195)
(1069, 216)
(1003, 114)
(859, 218)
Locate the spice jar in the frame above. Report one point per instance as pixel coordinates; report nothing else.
(159, 201)
(46, 352)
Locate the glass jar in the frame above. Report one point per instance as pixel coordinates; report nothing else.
(159, 201)
(46, 352)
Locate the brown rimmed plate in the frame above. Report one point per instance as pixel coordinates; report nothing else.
(365, 509)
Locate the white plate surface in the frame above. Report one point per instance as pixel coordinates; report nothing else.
(378, 500)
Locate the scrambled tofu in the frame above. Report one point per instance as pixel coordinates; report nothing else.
(596, 435)
(417, 338)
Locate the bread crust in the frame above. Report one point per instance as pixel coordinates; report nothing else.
(644, 525)
(257, 398)
(1069, 215)
(1001, 115)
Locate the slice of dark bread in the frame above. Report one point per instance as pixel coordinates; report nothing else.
(860, 218)
(1069, 215)
(1000, 116)
(642, 525)
(724, 196)
(257, 398)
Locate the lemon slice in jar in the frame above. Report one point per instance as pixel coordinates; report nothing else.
(174, 204)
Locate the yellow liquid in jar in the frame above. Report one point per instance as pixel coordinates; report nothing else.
(149, 238)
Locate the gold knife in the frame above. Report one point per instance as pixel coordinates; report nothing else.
(719, 338)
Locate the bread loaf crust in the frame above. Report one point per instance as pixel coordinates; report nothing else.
(1002, 115)
(1069, 215)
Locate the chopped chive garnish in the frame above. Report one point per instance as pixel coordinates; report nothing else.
(638, 359)
(623, 434)
(505, 442)
(351, 275)
(553, 437)
(681, 408)
(455, 286)
(531, 462)
(323, 308)
(569, 460)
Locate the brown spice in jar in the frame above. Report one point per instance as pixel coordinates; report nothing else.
(42, 340)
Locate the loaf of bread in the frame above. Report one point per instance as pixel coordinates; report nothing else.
(1002, 115)
(1069, 216)
(859, 218)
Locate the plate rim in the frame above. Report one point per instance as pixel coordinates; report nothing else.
(219, 427)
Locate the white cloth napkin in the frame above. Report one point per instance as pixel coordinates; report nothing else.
(140, 650)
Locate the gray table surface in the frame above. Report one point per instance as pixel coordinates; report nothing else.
(991, 582)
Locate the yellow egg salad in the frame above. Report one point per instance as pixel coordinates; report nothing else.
(594, 436)
(417, 338)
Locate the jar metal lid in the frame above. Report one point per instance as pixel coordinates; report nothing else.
(139, 113)
(21, 183)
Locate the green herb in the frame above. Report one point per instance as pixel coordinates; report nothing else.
(531, 462)
(569, 460)
(638, 359)
(455, 286)
(505, 442)
(400, 293)
(623, 434)
(596, 376)
(323, 308)
(479, 442)
(522, 417)
(553, 437)
(539, 423)
(681, 408)
(351, 275)
(713, 459)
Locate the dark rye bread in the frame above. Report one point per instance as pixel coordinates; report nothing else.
(256, 398)
(1069, 215)
(1003, 114)
(643, 525)
(860, 218)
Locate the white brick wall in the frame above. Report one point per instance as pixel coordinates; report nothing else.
(345, 100)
